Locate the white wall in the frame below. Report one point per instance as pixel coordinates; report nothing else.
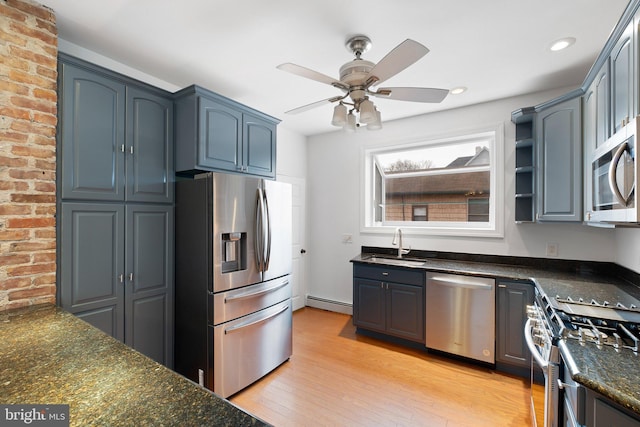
(628, 247)
(334, 182)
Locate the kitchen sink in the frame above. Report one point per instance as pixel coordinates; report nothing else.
(392, 260)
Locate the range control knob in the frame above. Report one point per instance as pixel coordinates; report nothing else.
(538, 339)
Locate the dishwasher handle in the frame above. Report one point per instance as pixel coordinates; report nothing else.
(460, 283)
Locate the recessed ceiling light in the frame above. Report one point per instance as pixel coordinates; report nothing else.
(458, 90)
(562, 43)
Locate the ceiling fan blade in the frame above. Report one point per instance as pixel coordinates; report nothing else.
(314, 105)
(403, 55)
(309, 74)
(414, 94)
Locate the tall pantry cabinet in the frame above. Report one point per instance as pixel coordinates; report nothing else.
(115, 206)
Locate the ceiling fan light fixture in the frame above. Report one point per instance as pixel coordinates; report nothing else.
(339, 115)
(350, 126)
(367, 112)
(377, 123)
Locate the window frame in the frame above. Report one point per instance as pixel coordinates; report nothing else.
(493, 228)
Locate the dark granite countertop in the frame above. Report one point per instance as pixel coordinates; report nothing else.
(610, 373)
(48, 356)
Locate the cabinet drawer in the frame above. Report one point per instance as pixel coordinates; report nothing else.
(389, 274)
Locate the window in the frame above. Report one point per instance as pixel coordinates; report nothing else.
(446, 186)
(419, 213)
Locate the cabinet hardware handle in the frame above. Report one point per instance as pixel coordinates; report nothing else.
(121, 277)
(502, 286)
(131, 149)
(122, 148)
(131, 277)
(384, 273)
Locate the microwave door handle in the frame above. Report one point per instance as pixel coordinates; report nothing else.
(613, 179)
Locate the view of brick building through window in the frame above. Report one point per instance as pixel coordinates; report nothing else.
(456, 192)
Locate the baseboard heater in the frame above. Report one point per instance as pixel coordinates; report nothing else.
(331, 305)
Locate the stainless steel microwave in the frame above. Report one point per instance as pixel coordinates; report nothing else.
(615, 177)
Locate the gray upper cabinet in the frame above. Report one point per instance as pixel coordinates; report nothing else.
(116, 139)
(559, 152)
(92, 135)
(596, 102)
(214, 133)
(622, 82)
(149, 142)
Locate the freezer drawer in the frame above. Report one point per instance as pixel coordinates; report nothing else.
(460, 316)
(236, 303)
(250, 347)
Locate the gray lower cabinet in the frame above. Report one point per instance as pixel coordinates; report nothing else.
(389, 300)
(214, 133)
(115, 138)
(559, 153)
(116, 272)
(512, 353)
(602, 412)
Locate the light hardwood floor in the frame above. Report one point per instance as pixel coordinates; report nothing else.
(339, 378)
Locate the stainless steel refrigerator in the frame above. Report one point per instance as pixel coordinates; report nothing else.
(233, 291)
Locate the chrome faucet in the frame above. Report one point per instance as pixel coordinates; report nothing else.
(397, 240)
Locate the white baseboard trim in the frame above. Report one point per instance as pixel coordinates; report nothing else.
(330, 305)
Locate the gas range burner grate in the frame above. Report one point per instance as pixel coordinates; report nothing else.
(602, 332)
(593, 302)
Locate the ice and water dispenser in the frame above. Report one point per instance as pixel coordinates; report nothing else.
(234, 252)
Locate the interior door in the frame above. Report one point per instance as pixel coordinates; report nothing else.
(298, 236)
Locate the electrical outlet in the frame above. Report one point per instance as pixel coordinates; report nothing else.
(552, 249)
(347, 238)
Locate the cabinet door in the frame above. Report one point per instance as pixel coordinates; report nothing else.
(601, 412)
(149, 147)
(602, 104)
(259, 146)
(91, 264)
(405, 311)
(622, 86)
(149, 281)
(369, 308)
(219, 136)
(513, 298)
(92, 135)
(560, 162)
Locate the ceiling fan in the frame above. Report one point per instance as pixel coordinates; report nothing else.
(359, 76)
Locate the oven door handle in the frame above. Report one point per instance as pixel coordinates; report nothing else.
(544, 365)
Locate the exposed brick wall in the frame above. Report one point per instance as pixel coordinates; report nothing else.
(28, 100)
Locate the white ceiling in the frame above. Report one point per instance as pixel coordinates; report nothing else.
(496, 48)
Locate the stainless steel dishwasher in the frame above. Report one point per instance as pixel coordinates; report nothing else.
(460, 316)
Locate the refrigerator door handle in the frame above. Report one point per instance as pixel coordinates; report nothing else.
(267, 249)
(258, 240)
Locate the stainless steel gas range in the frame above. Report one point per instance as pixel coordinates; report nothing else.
(609, 323)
